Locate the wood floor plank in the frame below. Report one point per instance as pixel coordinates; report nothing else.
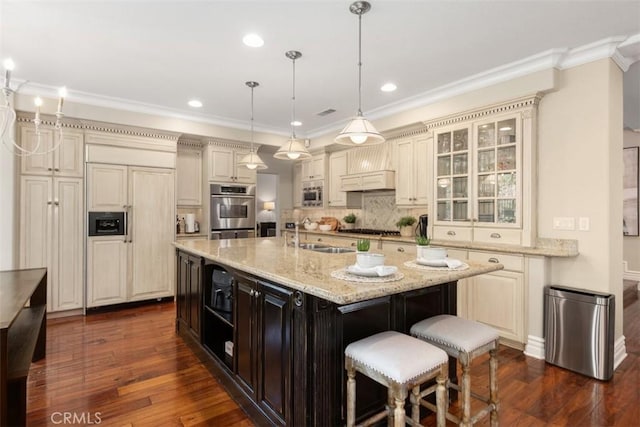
(132, 368)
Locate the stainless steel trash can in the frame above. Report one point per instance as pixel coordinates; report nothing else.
(579, 330)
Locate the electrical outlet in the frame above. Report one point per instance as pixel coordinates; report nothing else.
(584, 223)
(564, 223)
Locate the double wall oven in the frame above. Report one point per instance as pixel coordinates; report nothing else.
(232, 211)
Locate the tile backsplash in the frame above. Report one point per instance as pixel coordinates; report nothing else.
(378, 211)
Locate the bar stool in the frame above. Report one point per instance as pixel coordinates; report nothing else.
(464, 339)
(401, 363)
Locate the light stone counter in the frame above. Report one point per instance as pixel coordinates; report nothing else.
(544, 247)
(310, 272)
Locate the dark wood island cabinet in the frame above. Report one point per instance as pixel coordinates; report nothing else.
(286, 365)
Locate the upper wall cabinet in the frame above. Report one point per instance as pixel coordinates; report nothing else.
(313, 168)
(412, 173)
(189, 176)
(484, 188)
(65, 160)
(223, 165)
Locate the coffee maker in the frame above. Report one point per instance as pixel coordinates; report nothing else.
(423, 223)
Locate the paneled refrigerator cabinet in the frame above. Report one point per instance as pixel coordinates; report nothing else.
(143, 258)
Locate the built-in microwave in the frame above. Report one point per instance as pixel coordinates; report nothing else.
(312, 194)
(107, 223)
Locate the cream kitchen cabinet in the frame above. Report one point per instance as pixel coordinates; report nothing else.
(337, 168)
(51, 236)
(313, 168)
(297, 185)
(412, 172)
(189, 177)
(223, 165)
(483, 187)
(65, 160)
(497, 298)
(147, 194)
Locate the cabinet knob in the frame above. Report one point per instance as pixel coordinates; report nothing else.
(451, 233)
(495, 236)
(49, 202)
(57, 169)
(319, 239)
(252, 293)
(494, 260)
(257, 294)
(186, 261)
(57, 203)
(298, 298)
(400, 249)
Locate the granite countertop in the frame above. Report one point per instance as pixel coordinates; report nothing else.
(544, 247)
(310, 272)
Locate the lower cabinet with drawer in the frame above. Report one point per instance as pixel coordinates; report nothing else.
(497, 299)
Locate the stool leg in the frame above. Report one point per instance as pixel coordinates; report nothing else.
(351, 397)
(493, 385)
(398, 415)
(466, 394)
(391, 402)
(415, 404)
(441, 396)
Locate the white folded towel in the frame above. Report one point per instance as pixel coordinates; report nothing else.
(453, 263)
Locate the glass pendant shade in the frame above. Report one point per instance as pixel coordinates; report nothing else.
(293, 149)
(252, 161)
(359, 131)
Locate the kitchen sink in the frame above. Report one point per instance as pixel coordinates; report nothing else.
(332, 250)
(319, 247)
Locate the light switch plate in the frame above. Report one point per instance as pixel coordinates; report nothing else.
(584, 223)
(564, 223)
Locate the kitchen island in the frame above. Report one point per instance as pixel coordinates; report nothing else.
(272, 323)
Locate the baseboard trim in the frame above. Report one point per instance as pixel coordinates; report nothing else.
(534, 347)
(619, 352)
(631, 274)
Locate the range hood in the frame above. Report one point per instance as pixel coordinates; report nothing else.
(368, 181)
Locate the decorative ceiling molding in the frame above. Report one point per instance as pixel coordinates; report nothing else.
(524, 102)
(230, 143)
(414, 129)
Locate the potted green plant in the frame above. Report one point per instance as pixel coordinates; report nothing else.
(405, 224)
(349, 221)
(427, 252)
(363, 245)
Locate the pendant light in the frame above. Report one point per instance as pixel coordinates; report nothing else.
(293, 148)
(252, 160)
(359, 130)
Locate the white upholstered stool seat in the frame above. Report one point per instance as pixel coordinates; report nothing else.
(465, 339)
(401, 363)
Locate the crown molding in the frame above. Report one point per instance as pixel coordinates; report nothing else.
(230, 143)
(525, 102)
(623, 50)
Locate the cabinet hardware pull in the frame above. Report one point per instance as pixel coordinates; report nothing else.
(57, 203)
(297, 299)
(257, 294)
(495, 236)
(49, 202)
(319, 239)
(186, 261)
(400, 249)
(252, 293)
(353, 244)
(494, 260)
(49, 169)
(57, 169)
(451, 233)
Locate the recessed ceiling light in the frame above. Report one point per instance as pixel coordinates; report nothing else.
(253, 40)
(195, 103)
(296, 123)
(388, 87)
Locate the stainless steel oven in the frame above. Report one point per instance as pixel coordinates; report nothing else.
(233, 210)
(312, 194)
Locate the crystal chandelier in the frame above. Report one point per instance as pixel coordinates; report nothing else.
(293, 148)
(9, 118)
(359, 130)
(252, 160)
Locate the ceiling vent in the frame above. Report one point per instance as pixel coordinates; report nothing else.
(326, 112)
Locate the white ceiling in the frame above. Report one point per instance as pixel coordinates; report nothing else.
(156, 55)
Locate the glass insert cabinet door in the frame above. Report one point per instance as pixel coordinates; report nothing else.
(478, 173)
(453, 178)
(496, 175)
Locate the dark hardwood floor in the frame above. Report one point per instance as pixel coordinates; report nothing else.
(128, 367)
